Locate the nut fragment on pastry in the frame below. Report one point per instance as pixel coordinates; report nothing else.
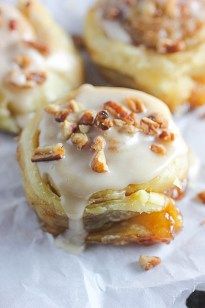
(102, 183)
(38, 62)
(148, 262)
(150, 45)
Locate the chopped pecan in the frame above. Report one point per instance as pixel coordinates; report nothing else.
(73, 105)
(59, 112)
(135, 104)
(118, 111)
(102, 120)
(98, 163)
(201, 196)
(19, 80)
(36, 77)
(124, 127)
(158, 149)
(48, 153)
(87, 118)
(39, 46)
(98, 144)
(84, 128)
(163, 123)
(166, 136)
(148, 262)
(113, 13)
(80, 140)
(13, 24)
(148, 126)
(67, 128)
(23, 61)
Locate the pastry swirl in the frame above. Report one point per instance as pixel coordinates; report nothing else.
(100, 162)
(155, 46)
(38, 62)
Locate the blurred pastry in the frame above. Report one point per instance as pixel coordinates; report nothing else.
(157, 46)
(105, 163)
(38, 62)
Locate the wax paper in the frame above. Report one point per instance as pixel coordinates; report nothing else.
(35, 273)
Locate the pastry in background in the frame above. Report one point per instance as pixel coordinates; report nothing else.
(38, 62)
(151, 45)
(102, 165)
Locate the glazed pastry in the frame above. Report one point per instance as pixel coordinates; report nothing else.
(38, 62)
(104, 163)
(157, 46)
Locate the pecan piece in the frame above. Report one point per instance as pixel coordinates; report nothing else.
(13, 24)
(39, 46)
(36, 77)
(98, 163)
(48, 153)
(148, 262)
(84, 128)
(135, 104)
(118, 111)
(163, 123)
(166, 136)
(79, 140)
(98, 144)
(23, 61)
(201, 196)
(59, 112)
(158, 149)
(87, 118)
(148, 126)
(102, 120)
(67, 128)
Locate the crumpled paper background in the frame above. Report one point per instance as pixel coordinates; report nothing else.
(35, 273)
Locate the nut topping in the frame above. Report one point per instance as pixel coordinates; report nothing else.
(67, 128)
(18, 79)
(135, 105)
(49, 153)
(158, 149)
(166, 136)
(148, 126)
(40, 47)
(87, 118)
(127, 128)
(201, 196)
(60, 112)
(98, 163)
(13, 24)
(84, 128)
(159, 119)
(98, 144)
(148, 262)
(102, 120)
(79, 140)
(23, 61)
(118, 111)
(36, 77)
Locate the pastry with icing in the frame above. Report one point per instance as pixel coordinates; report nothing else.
(157, 46)
(38, 62)
(103, 165)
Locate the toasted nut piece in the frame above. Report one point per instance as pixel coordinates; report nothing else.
(87, 118)
(98, 144)
(112, 13)
(148, 262)
(158, 149)
(23, 61)
(124, 127)
(79, 140)
(13, 24)
(148, 126)
(73, 105)
(118, 111)
(201, 196)
(98, 163)
(48, 153)
(36, 77)
(84, 128)
(135, 104)
(119, 123)
(67, 128)
(59, 112)
(40, 47)
(163, 123)
(102, 120)
(166, 136)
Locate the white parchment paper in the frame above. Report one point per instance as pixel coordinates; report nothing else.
(35, 273)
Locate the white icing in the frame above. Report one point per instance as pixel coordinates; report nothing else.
(133, 163)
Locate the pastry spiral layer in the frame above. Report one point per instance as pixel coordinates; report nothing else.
(38, 62)
(155, 46)
(104, 164)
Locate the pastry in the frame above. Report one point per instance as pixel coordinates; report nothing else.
(38, 62)
(106, 163)
(157, 46)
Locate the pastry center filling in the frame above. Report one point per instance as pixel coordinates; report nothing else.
(162, 25)
(104, 139)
